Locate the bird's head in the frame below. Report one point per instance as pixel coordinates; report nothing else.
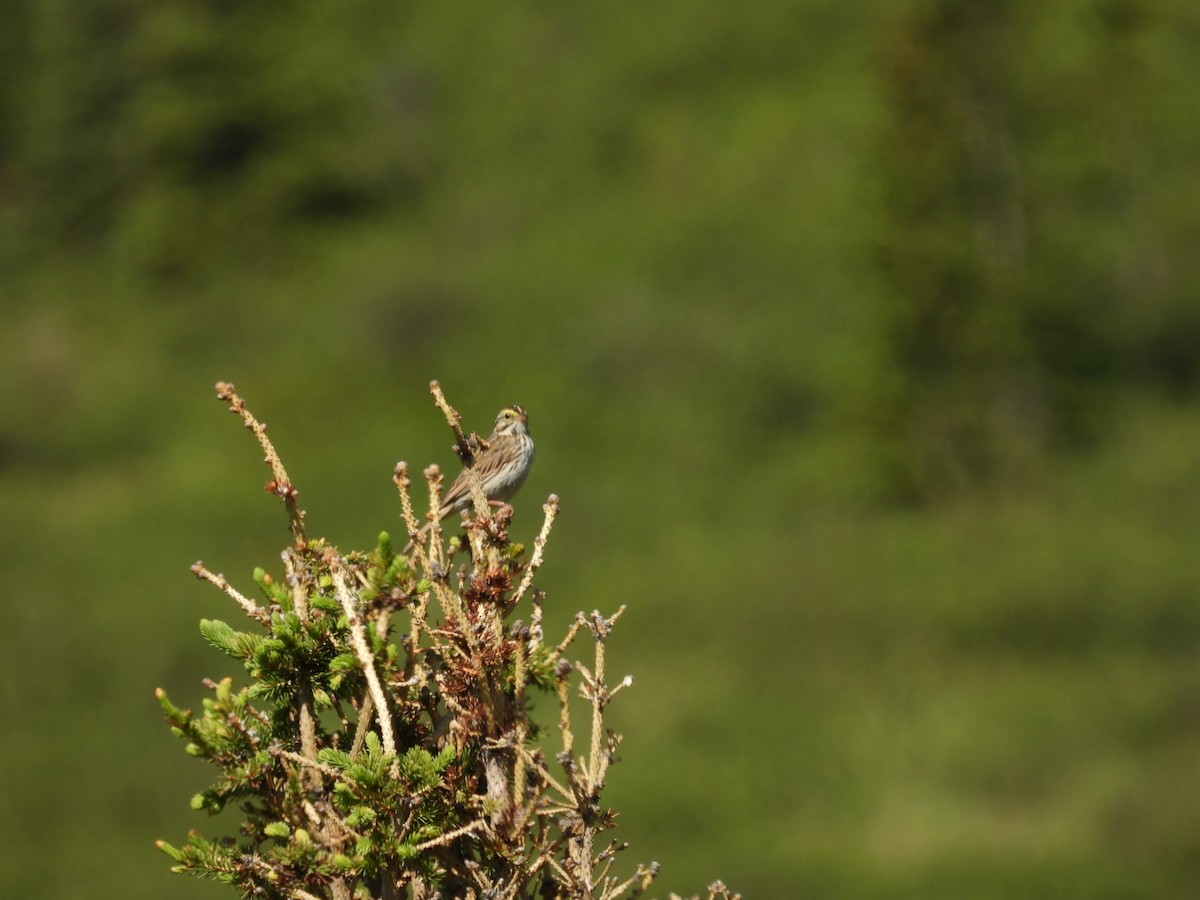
(512, 420)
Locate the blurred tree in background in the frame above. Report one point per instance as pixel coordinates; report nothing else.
(165, 133)
(1027, 168)
(756, 274)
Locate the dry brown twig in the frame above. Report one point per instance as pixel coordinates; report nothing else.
(466, 448)
(251, 609)
(539, 548)
(280, 484)
(358, 635)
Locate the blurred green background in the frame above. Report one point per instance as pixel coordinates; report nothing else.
(861, 342)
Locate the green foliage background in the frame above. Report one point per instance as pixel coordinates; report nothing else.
(860, 340)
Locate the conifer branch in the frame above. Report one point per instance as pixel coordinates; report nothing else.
(292, 574)
(305, 762)
(402, 482)
(562, 670)
(366, 712)
(433, 480)
(450, 836)
(252, 610)
(466, 447)
(537, 634)
(280, 484)
(358, 636)
(454, 419)
(450, 796)
(308, 729)
(539, 548)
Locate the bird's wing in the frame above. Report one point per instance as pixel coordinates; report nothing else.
(487, 464)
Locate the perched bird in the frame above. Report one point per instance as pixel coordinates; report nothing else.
(502, 467)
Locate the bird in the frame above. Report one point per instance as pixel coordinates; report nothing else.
(502, 467)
